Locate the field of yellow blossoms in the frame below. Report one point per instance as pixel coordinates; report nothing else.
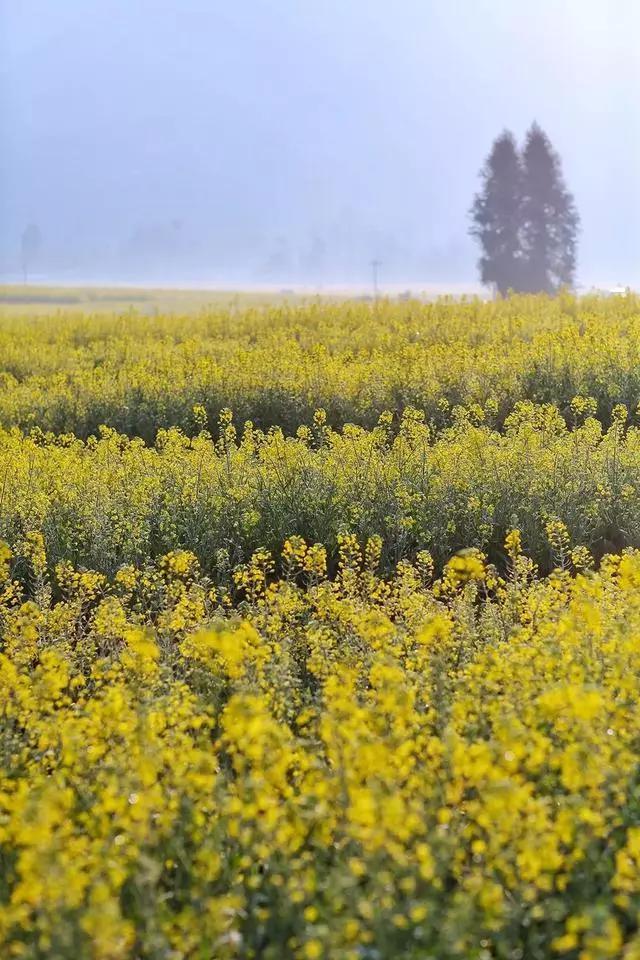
(320, 633)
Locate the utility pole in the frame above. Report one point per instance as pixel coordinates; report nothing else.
(374, 267)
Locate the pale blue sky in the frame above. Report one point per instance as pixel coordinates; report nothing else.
(186, 138)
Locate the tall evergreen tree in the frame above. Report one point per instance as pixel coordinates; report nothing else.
(549, 218)
(497, 216)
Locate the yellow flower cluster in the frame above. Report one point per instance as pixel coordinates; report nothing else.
(112, 500)
(363, 766)
(275, 366)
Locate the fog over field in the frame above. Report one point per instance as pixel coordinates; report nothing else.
(284, 143)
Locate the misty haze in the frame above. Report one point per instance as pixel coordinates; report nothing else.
(277, 143)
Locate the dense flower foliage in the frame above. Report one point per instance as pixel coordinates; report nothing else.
(358, 679)
(113, 500)
(356, 767)
(276, 366)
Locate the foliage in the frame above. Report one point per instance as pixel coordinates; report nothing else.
(112, 500)
(72, 373)
(355, 679)
(524, 217)
(497, 217)
(362, 767)
(550, 218)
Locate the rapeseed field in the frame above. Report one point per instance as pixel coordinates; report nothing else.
(319, 632)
